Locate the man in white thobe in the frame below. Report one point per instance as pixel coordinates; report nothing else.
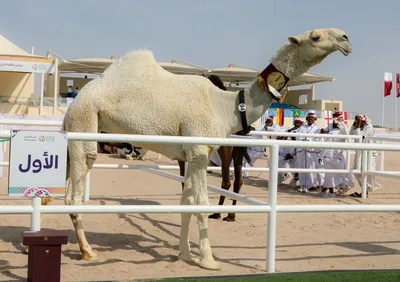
(306, 157)
(270, 126)
(335, 159)
(362, 125)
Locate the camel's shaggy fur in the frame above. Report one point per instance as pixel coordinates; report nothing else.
(137, 96)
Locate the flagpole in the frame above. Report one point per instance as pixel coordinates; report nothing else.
(395, 97)
(383, 108)
(395, 103)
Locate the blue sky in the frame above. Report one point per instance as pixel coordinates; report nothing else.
(214, 33)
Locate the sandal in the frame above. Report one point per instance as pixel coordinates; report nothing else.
(356, 195)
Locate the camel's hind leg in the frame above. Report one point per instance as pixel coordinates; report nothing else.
(195, 193)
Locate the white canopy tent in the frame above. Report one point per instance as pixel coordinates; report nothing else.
(231, 74)
(15, 59)
(242, 74)
(99, 65)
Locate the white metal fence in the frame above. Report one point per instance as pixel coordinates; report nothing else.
(35, 210)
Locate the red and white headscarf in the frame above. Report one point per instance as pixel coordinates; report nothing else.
(271, 118)
(298, 120)
(364, 118)
(311, 114)
(337, 114)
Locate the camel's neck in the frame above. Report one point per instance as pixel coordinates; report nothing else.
(257, 100)
(291, 62)
(226, 104)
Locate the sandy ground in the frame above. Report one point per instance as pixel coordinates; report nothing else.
(136, 246)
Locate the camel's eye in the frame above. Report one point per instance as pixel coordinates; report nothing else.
(315, 38)
(345, 37)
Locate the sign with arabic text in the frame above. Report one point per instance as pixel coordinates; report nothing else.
(27, 64)
(38, 163)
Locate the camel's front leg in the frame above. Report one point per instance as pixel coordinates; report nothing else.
(82, 158)
(195, 192)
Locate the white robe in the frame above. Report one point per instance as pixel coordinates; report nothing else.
(308, 158)
(282, 163)
(273, 128)
(256, 152)
(366, 131)
(336, 159)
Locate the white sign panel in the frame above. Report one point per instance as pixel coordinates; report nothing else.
(38, 163)
(23, 66)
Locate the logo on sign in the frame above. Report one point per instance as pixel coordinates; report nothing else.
(41, 138)
(37, 192)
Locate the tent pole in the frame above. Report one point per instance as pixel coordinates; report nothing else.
(41, 94)
(56, 74)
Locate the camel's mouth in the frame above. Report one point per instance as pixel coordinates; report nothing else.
(345, 50)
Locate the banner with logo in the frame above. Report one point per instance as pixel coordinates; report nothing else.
(38, 163)
(26, 64)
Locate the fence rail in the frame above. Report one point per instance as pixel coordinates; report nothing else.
(272, 208)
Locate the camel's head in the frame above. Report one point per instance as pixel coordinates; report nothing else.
(308, 49)
(321, 42)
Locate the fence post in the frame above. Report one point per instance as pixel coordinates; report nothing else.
(364, 168)
(35, 216)
(272, 202)
(382, 158)
(348, 159)
(86, 193)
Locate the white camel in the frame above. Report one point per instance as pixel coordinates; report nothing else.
(137, 96)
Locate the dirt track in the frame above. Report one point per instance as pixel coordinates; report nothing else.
(137, 246)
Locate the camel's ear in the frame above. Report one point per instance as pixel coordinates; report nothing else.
(294, 40)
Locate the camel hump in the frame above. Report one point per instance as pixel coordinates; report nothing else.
(133, 62)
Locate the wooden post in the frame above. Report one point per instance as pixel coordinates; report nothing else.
(44, 258)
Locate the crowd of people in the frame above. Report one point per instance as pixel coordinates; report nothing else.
(328, 184)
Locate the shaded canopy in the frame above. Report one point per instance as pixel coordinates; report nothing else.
(15, 59)
(243, 74)
(232, 73)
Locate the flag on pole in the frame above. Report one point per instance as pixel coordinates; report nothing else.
(328, 117)
(345, 117)
(397, 86)
(279, 119)
(296, 114)
(387, 84)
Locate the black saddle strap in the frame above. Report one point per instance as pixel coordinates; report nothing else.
(242, 110)
(245, 126)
